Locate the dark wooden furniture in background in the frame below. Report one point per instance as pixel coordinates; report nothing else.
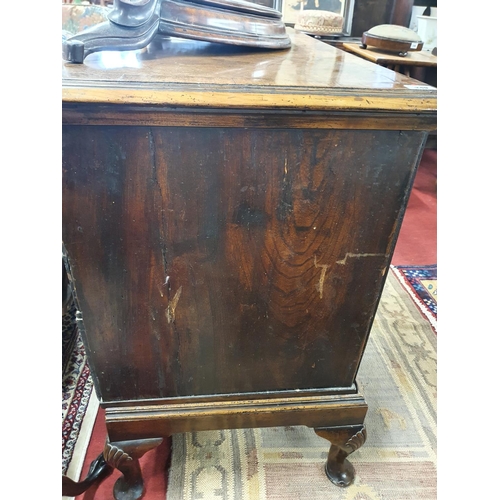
(370, 13)
(229, 217)
(401, 12)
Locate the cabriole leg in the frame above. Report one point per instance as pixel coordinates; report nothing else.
(124, 456)
(344, 440)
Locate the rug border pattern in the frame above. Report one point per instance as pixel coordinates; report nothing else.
(422, 306)
(77, 389)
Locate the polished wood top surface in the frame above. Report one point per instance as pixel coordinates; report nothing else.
(420, 58)
(178, 72)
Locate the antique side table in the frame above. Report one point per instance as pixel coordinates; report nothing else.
(420, 65)
(229, 217)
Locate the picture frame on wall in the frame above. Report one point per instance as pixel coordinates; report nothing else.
(291, 9)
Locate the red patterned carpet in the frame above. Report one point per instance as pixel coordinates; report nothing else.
(416, 246)
(417, 242)
(415, 256)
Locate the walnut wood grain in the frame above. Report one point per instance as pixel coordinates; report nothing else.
(262, 261)
(310, 76)
(120, 114)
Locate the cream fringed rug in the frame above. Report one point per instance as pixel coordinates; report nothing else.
(398, 461)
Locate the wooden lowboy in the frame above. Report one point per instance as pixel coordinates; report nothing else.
(229, 217)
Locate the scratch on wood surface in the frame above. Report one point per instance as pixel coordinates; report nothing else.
(170, 311)
(324, 268)
(358, 256)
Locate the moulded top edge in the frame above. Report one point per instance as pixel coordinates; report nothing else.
(183, 71)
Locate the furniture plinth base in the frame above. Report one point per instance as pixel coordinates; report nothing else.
(134, 429)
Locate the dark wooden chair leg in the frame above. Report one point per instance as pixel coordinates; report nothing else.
(124, 456)
(67, 298)
(98, 471)
(344, 440)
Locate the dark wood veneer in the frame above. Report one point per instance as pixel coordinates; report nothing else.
(237, 272)
(370, 13)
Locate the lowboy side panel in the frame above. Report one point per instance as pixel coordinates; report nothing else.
(229, 260)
